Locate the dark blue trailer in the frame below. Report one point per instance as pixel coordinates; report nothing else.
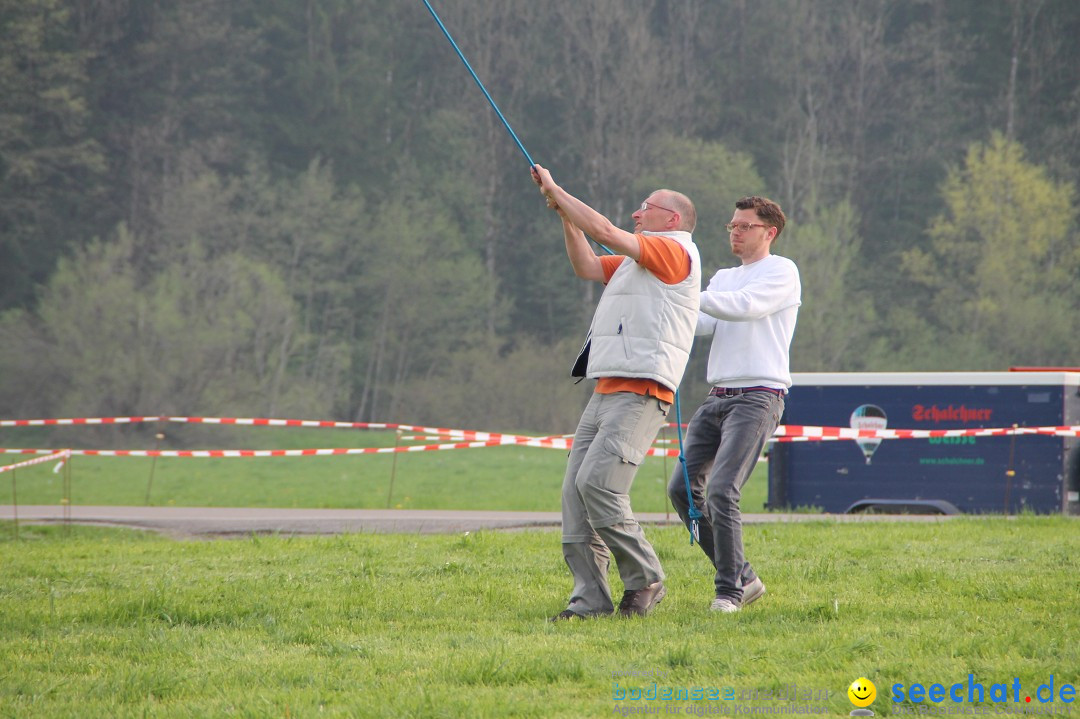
(944, 474)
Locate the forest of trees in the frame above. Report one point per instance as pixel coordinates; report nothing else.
(307, 208)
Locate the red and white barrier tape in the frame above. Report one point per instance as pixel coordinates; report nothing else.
(810, 432)
(805, 433)
(238, 453)
(61, 455)
(559, 443)
(450, 435)
(472, 439)
(464, 434)
(79, 421)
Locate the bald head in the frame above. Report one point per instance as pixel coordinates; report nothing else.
(680, 203)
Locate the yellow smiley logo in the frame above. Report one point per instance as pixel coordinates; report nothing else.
(862, 692)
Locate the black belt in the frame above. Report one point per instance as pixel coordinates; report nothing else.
(735, 391)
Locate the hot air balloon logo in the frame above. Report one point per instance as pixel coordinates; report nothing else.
(868, 416)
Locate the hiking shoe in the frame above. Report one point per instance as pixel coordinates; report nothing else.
(723, 605)
(639, 602)
(567, 615)
(752, 592)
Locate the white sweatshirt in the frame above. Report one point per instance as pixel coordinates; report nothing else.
(750, 311)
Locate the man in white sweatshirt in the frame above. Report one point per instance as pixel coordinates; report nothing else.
(750, 311)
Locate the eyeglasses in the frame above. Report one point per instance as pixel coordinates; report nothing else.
(646, 205)
(742, 226)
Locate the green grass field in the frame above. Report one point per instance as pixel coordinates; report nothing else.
(491, 478)
(115, 623)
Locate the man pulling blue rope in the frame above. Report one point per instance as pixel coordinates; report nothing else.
(639, 345)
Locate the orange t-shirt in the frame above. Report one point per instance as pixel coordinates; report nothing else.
(670, 263)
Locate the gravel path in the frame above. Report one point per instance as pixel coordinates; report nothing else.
(210, 522)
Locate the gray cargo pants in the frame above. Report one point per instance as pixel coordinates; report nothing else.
(611, 441)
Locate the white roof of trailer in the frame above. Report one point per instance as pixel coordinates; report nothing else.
(1068, 379)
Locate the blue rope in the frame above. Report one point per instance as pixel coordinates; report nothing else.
(694, 513)
(480, 84)
(487, 94)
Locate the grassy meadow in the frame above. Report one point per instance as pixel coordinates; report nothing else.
(98, 622)
(114, 623)
(491, 478)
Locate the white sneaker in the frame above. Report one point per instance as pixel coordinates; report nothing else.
(723, 604)
(752, 592)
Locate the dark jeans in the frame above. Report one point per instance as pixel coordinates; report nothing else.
(723, 442)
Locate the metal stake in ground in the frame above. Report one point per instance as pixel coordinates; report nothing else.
(65, 501)
(393, 469)
(14, 505)
(153, 463)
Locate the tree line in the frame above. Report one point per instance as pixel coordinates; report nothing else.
(308, 208)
